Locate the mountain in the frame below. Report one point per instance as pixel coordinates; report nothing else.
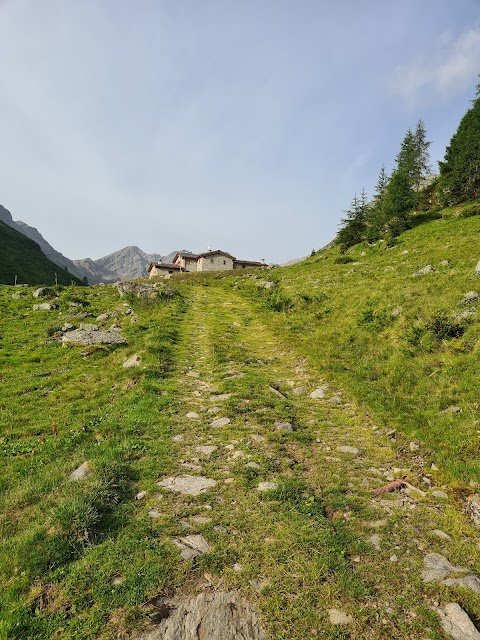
(47, 249)
(125, 264)
(22, 257)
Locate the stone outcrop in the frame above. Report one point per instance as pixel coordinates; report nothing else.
(86, 338)
(220, 615)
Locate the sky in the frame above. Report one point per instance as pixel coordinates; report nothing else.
(245, 125)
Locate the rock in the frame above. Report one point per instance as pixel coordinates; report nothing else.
(192, 546)
(438, 567)
(477, 269)
(187, 485)
(374, 541)
(413, 446)
(441, 534)
(397, 312)
(469, 297)
(237, 567)
(45, 306)
(221, 396)
(468, 313)
(424, 271)
(284, 426)
(299, 391)
(178, 438)
(81, 472)
(140, 495)
(86, 338)
(456, 623)
(220, 422)
(153, 513)
(440, 494)
(16, 296)
(213, 615)
(335, 400)
(141, 290)
(206, 451)
(472, 507)
(201, 520)
(346, 449)
(44, 292)
(443, 263)
(104, 316)
(339, 617)
(470, 582)
(318, 393)
(253, 465)
(193, 415)
(214, 410)
(116, 580)
(452, 409)
(266, 486)
(134, 361)
(114, 327)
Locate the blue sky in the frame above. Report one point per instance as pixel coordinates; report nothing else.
(246, 125)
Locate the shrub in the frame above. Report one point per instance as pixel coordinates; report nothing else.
(374, 318)
(343, 259)
(444, 327)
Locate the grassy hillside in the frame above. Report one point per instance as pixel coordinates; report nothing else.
(223, 392)
(394, 340)
(21, 257)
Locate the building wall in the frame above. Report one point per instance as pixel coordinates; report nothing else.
(187, 264)
(215, 263)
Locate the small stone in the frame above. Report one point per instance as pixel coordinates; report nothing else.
(192, 374)
(188, 485)
(299, 391)
(393, 558)
(116, 580)
(220, 397)
(253, 465)
(206, 450)
(452, 409)
(284, 426)
(441, 534)
(178, 438)
(347, 449)
(425, 270)
(213, 410)
(45, 306)
(140, 495)
(456, 623)
(339, 617)
(477, 269)
(472, 507)
(374, 541)
(237, 567)
(266, 486)
(201, 520)
(471, 296)
(134, 361)
(229, 480)
(443, 263)
(440, 494)
(220, 422)
(318, 393)
(67, 326)
(335, 400)
(153, 513)
(413, 446)
(81, 472)
(43, 292)
(193, 415)
(191, 546)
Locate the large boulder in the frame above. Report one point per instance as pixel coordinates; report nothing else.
(45, 306)
(44, 292)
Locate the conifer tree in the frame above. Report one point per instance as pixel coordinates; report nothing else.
(354, 224)
(460, 170)
(422, 165)
(375, 217)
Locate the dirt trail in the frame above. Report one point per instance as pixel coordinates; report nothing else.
(289, 519)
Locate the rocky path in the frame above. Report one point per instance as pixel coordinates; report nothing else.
(272, 507)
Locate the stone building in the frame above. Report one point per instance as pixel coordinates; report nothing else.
(209, 261)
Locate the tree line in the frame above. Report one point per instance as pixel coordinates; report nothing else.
(398, 195)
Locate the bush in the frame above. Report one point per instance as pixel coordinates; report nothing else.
(373, 318)
(343, 259)
(443, 327)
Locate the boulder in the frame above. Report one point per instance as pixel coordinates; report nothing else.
(424, 271)
(217, 615)
(318, 393)
(470, 297)
(86, 338)
(44, 292)
(284, 426)
(81, 472)
(456, 623)
(191, 546)
(220, 422)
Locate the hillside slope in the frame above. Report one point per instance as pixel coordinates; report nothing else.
(22, 257)
(405, 346)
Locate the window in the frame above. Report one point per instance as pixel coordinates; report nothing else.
(211, 260)
(224, 262)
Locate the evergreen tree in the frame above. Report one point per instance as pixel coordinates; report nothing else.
(422, 165)
(460, 170)
(354, 224)
(375, 218)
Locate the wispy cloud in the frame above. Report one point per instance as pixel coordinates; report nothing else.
(451, 70)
